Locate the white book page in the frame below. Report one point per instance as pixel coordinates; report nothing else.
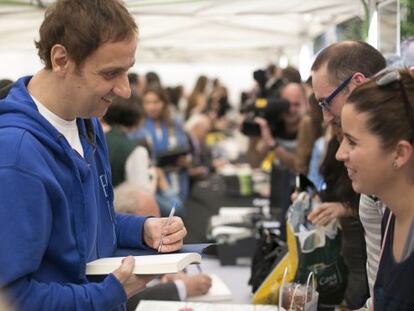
(150, 264)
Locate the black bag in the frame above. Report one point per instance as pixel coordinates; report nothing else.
(269, 251)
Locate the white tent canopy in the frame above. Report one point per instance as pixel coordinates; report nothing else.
(191, 36)
(201, 30)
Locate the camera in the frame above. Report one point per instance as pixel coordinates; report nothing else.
(266, 104)
(269, 85)
(269, 109)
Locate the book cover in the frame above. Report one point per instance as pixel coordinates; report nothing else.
(170, 157)
(151, 264)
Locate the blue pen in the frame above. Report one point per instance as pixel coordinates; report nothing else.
(170, 216)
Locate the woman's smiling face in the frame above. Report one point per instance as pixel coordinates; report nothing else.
(153, 105)
(369, 166)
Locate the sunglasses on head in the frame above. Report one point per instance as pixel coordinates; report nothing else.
(391, 77)
(326, 102)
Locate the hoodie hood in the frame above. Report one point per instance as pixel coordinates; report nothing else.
(18, 110)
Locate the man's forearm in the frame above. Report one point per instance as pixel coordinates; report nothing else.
(256, 152)
(286, 157)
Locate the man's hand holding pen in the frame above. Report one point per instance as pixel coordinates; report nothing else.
(171, 232)
(164, 234)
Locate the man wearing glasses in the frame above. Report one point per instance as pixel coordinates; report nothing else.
(337, 70)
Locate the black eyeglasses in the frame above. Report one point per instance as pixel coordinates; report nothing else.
(395, 76)
(326, 102)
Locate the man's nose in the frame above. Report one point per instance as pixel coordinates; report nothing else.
(122, 87)
(328, 116)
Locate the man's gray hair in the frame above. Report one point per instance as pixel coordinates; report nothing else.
(126, 198)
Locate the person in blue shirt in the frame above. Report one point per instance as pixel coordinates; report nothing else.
(164, 134)
(56, 198)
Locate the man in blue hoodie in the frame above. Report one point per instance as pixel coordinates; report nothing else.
(56, 211)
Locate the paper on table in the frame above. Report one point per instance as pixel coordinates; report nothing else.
(155, 305)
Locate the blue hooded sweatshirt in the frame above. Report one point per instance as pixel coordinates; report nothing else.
(56, 212)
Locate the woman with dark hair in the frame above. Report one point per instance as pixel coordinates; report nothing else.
(163, 134)
(198, 99)
(338, 202)
(377, 150)
(129, 161)
(341, 202)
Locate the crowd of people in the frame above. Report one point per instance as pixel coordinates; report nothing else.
(95, 157)
(159, 146)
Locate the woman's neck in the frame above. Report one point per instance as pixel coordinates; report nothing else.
(400, 200)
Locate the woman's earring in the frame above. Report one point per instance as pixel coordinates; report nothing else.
(395, 164)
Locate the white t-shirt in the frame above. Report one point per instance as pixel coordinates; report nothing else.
(68, 129)
(137, 169)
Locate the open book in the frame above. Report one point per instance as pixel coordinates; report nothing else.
(218, 291)
(152, 264)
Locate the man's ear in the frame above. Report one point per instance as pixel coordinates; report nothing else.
(60, 59)
(359, 78)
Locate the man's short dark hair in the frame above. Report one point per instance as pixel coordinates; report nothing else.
(81, 26)
(126, 112)
(153, 79)
(133, 78)
(347, 57)
(291, 74)
(5, 87)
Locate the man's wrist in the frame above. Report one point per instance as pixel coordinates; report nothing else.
(147, 240)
